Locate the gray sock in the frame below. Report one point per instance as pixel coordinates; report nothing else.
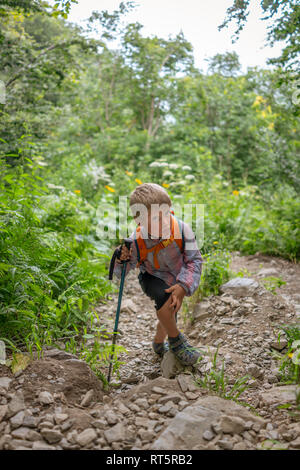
(173, 339)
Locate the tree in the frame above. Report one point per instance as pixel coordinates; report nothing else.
(150, 64)
(286, 27)
(227, 64)
(153, 63)
(38, 53)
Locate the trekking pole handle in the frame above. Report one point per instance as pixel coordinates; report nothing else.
(117, 254)
(127, 243)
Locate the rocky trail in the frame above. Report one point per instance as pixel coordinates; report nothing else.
(57, 402)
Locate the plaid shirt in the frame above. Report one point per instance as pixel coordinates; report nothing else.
(175, 267)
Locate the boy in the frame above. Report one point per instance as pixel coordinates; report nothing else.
(170, 265)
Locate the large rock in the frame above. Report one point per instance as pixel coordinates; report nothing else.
(88, 398)
(41, 445)
(86, 437)
(280, 395)
(165, 385)
(232, 424)
(16, 404)
(17, 420)
(4, 382)
(188, 429)
(170, 365)
(266, 272)
(240, 286)
(25, 433)
(51, 435)
(115, 434)
(255, 371)
(279, 345)
(45, 398)
(186, 383)
(58, 354)
(3, 411)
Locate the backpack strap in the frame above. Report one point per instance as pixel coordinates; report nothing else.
(137, 247)
(140, 246)
(180, 241)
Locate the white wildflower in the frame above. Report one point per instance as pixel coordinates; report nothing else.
(189, 177)
(186, 168)
(95, 172)
(54, 186)
(154, 165)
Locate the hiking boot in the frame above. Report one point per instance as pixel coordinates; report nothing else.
(160, 348)
(184, 352)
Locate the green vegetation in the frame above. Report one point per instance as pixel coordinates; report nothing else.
(82, 124)
(216, 381)
(272, 282)
(290, 360)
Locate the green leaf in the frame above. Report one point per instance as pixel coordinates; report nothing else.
(6, 267)
(88, 336)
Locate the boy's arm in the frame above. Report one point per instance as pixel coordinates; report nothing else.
(190, 273)
(131, 264)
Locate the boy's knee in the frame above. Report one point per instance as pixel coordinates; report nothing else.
(163, 306)
(162, 302)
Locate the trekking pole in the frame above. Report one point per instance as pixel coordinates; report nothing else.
(117, 254)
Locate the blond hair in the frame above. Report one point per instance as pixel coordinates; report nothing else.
(148, 194)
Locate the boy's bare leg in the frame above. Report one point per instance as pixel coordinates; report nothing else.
(186, 354)
(167, 322)
(161, 333)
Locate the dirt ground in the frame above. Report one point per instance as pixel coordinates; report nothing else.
(244, 329)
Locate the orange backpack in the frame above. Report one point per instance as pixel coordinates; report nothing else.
(142, 251)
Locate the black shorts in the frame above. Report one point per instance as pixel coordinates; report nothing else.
(154, 287)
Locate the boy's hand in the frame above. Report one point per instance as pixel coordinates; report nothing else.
(125, 254)
(177, 294)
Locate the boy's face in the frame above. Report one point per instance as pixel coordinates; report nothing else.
(159, 221)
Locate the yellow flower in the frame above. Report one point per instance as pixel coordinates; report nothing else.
(165, 185)
(112, 190)
(291, 355)
(215, 243)
(236, 193)
(263, 114)
(128, 173)
(258, 101)
(138, 181)
(77, 191)
(271, 126)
